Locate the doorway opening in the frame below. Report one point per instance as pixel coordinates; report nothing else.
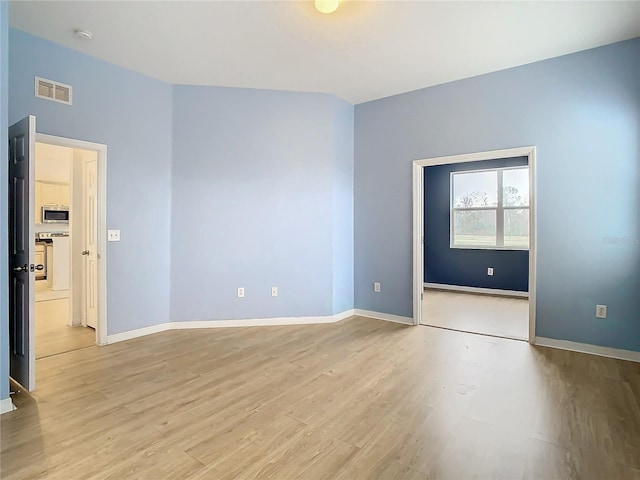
(88, 233)
(474, 243)
(65, 231)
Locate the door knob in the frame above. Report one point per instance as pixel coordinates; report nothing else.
(85, 252)
(39, 267)
(23, 268)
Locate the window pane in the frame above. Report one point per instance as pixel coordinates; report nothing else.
(515, 187)
(516, 228)
(475, 189)
(474, 228)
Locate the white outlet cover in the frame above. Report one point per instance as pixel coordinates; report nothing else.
(274, 291)
(113, 235)
(601, 311)
(240, 292)
(490, 271)
(376, 287)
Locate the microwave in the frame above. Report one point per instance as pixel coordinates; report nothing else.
(55, 214)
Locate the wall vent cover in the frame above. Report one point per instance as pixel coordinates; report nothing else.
(55, 91)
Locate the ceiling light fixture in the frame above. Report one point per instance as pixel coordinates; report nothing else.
(83, 34)
(327, 6)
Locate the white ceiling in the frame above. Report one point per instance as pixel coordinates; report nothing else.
(364, 51)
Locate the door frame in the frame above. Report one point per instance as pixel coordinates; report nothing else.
(101, 149)
(418, 222)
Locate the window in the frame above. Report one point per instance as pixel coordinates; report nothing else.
(490, 209)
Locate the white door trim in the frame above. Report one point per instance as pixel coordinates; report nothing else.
(101, 149)
(418, 222)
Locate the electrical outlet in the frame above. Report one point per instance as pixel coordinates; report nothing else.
(376, 287)
(240, 292)
(274, 291)
(601, 311)
(490, 271)
(113, 235)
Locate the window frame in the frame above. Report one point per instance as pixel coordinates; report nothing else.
(499, 209)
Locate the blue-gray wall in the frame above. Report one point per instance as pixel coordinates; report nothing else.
(131, 113)
(463, 266)
(223, 165)
(4, 198)
(582, 113)
(258, 185)
(342, 207)
(262, 196)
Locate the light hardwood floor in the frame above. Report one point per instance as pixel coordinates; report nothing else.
(361, 399)
(43, 292)
(469, 312)
(53, 334)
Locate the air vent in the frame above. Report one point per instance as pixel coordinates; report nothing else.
(55, 91)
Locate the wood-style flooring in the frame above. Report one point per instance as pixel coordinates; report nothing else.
(506, 317)
(43, 292)
(360, 399)
(53, 334)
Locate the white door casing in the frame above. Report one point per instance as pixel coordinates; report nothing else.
(99, 252)
(418, 222)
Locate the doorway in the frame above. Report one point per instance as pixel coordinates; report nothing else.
(454, 285)
(88, 232)
(59, 243)
(65, 229)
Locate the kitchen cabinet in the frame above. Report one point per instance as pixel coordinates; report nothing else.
(49, 266)
(50, 194)
(40, 259)
(58, 274)
(64, 195)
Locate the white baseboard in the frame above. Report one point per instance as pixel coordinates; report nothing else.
(261, 322)
(139, 332)
(249, 322)
(384, 316)
(6, 405)
(490, 291)
(588, 348)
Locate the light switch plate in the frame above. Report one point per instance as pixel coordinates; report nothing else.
(113, 235)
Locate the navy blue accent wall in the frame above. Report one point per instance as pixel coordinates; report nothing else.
(454, 266)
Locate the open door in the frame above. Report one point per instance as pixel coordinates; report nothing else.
(91, 242)
(21, 252)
